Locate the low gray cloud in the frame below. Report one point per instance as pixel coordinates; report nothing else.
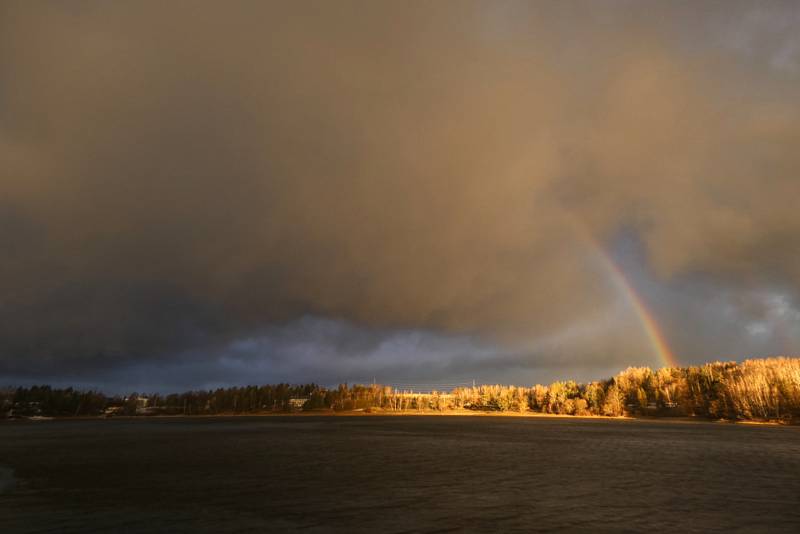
(337, 351)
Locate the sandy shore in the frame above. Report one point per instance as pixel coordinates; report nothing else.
(476, 413)
(418, 413)
(461, 413)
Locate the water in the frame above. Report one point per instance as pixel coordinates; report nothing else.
(397, 474)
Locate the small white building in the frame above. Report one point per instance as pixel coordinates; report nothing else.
(297, 403)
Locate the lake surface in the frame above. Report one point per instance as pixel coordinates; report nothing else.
(396, 474)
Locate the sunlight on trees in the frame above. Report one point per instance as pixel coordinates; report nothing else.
(762, 389)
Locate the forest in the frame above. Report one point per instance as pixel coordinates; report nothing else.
(757, 389)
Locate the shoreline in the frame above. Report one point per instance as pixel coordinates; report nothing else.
(411, 413)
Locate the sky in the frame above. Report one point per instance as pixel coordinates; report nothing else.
(199, 194)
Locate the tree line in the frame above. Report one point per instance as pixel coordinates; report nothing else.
(757, 389)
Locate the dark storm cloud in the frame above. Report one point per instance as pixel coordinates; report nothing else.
(334, 352)
(179, 176)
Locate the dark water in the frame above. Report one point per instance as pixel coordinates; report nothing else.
(397, 474)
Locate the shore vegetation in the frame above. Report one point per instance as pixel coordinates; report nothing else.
(753, 390)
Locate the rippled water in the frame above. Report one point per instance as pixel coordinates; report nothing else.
(397, 474)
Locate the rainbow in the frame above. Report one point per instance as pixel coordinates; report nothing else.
(622, 285)
(649, 324)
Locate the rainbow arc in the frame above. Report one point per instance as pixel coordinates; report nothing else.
(637, 303)
(648, 322)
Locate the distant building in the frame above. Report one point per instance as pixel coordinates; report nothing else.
(21, 409)
(143, 405)
(296, 404)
